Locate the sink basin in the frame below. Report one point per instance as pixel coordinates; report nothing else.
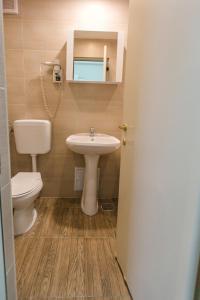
(98, 144)
(91, 147)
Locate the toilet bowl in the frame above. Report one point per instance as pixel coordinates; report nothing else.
(26, 187)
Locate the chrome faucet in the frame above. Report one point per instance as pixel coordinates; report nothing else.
(92, 131)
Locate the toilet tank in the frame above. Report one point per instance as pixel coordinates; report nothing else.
(32, 136)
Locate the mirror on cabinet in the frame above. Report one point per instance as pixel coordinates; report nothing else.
(95, 56)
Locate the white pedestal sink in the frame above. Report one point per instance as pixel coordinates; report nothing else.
(91, 147)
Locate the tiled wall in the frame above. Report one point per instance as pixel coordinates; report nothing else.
(39, 34)
(6, 200)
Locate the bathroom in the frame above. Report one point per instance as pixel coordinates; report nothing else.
(96, 167)
(36, 35)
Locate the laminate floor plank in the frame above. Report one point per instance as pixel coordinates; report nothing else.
(73, 265)
(69, 203)
(52, 222)
(116, 279)
(68, 255)
(25, 277)
(112, 269)
(104, 271)
(60, 272)
(100, 225)
(111, 220)
(77, 223)
(80, 271)
(96, 270)
(20, 251)
(89, 266)
(39, 224)
(90, 226)
(44, 271)
(112, 242)
(56, 221)
(66, 227)
(78, 298)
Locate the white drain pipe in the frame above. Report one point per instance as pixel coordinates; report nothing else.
(34, 162)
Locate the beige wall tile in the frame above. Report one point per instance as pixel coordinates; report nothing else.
(34, 33)
(33, 92)
(44, 34)
(13, 33)
(49, 10)
(50, 55)
(58, 143)
(101, 121)
(108, 188)
(20, 163)
(63, 188)
(32, 60)
(17, 111)
(16, 90)
(66, 120)
(109, 166)
(14, 63)
(85, 12)
(36, 112)
(57, 39)
(58, 166)
(38, 35)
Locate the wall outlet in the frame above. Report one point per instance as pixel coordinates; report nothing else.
(79, 178)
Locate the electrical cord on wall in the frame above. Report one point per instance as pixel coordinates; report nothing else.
(44, 97)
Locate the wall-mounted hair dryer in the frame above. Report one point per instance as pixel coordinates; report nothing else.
(57, 78)
(57, 71)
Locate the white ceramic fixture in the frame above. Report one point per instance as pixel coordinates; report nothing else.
(91, 146)
(32, 137)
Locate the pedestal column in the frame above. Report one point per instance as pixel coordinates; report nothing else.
(89, 202)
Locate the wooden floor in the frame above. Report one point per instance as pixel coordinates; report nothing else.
(68, 255)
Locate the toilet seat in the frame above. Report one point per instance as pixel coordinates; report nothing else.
(24, 183)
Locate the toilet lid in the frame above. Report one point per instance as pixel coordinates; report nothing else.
(25, 182)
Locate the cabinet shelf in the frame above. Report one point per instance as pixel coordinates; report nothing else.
(93, 82)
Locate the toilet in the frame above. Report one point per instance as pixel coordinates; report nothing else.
(31, 137)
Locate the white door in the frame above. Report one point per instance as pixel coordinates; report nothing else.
(159, 198)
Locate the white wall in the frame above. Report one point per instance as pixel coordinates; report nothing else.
(158, 230)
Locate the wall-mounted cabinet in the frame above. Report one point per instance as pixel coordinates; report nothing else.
(95, 57)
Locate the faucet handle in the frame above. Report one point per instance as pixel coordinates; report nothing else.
(92, 130)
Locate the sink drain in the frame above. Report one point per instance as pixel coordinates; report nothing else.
(109, 206)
